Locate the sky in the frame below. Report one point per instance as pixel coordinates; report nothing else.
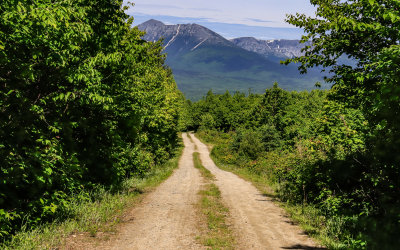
(263, 19)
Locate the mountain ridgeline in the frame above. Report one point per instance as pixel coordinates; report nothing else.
(279, 49)
(202, 59)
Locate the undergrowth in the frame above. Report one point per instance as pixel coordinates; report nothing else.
(100, 211)
(307, 216)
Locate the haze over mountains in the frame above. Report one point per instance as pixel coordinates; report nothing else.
(202, 60)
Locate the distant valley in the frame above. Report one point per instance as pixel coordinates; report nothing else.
(202, 60)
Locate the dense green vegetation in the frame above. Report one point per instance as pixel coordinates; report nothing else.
(311, 149)
(336, 150)
(100, 211)
(84, 101)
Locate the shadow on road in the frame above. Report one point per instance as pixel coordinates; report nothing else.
(305, 247)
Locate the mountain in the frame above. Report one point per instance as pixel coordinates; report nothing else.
(202, 59)
(271, 48)
(182, 38)
(195, 48)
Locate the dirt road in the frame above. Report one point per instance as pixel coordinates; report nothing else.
(167, 218)
(258, 223)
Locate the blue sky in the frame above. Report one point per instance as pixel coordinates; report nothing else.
(263, 19)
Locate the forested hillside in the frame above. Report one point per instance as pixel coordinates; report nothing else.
(84, 101)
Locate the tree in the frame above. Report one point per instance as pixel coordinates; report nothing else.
(368, 33)
(272, 108)
(83, 101)
(365, 31)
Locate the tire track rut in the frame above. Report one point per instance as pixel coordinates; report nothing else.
(167, 218)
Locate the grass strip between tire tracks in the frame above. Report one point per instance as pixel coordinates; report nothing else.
(217, 235)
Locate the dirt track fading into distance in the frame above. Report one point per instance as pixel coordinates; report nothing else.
(257, 222)
(168, 218)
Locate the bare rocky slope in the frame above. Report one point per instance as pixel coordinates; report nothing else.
(271, 48)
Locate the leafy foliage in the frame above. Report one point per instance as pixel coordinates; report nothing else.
(368, 32)
(84, 101)
(311, 148)
(339, 149)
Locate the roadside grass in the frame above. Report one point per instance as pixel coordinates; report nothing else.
(306, 216)
(217, 235)
(204, 171)
(93, 216)
(261, 182)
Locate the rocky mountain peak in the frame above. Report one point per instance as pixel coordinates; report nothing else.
(181, 37)
(277, 48)
(153, 22)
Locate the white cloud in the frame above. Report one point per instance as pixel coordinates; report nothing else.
(225, 29)
(263, 13)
